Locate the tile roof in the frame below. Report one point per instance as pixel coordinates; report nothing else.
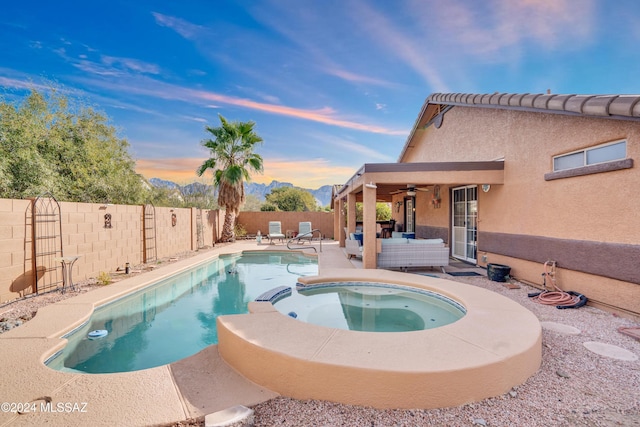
(621, 107)
(626, 107)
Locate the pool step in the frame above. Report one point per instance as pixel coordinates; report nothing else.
(274, 294)
(236, 416)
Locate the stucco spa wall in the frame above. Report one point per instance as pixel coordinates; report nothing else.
(100, 249)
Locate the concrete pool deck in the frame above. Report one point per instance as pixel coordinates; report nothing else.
(192, 387)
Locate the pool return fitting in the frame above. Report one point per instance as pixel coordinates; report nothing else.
(552, 294)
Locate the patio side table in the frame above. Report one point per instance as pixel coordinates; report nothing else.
(67, 265)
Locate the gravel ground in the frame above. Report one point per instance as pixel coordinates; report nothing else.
(574, 386)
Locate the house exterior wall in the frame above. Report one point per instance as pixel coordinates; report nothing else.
(585, 223)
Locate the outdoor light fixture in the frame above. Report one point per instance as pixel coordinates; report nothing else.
(411, 193)
(398, 205)
(371, 185)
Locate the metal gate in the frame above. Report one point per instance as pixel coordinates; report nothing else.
(149, 233)
(46, 244)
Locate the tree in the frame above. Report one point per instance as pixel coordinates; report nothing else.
(51, 143)
(268, 207)
(232, 160)
(383, 211)
(252, 203)
(291, 199)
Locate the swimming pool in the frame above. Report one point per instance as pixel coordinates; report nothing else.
(176, 317)
(370, 307)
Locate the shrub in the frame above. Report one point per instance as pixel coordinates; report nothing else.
(103, 278)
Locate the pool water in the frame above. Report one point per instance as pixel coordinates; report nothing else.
(371, 307)
(176, 317)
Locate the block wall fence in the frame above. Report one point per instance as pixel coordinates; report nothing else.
(102, 249)
(254, 221)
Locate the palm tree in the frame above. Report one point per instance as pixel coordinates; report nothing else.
(232, 160)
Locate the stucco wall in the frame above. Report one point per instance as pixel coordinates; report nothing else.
(593, 217)
(593, 207)
(254, 221)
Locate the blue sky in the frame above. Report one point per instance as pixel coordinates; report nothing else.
(331, 84)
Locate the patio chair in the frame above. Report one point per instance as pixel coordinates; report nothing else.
(386, 231)
(305, 233)
(275, 232)
(353, 245)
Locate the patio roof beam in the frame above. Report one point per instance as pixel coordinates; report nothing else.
(393, 176)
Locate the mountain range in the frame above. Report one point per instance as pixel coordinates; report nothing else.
(322, 194)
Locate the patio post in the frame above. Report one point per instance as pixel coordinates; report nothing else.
(351, 212)
(339, 221)
(369, 255)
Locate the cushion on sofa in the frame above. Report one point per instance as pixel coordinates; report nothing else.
(395, 241)
(426, 241)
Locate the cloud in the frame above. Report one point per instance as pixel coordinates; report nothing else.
(106, 65)
(358, 78)
(324, 51)
(194, 119)
(404, 45)
(311, 173)
(324, 115)
(498, 29)
(186, 29)
(157, 89)
(360, 151)
(131, 64)
(173, 169)
(21, 83)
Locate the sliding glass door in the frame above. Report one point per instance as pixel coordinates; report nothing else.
(465, 223)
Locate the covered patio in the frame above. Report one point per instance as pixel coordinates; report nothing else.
(400, 184)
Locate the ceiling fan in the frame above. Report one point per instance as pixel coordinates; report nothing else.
(411, 188)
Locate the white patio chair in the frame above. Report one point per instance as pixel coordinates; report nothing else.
(304, 232)
(275, 232)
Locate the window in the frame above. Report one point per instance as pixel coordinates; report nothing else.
(591, 156)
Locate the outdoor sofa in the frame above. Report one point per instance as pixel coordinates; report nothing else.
(400, 252)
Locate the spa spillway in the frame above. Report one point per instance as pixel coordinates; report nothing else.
(495, 345)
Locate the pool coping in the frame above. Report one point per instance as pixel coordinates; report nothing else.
(180, 390)
(494, 347)
(108, 399)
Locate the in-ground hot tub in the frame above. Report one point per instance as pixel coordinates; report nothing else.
(369, 306)
(496, 345)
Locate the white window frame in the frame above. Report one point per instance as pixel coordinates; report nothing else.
(584, 155)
